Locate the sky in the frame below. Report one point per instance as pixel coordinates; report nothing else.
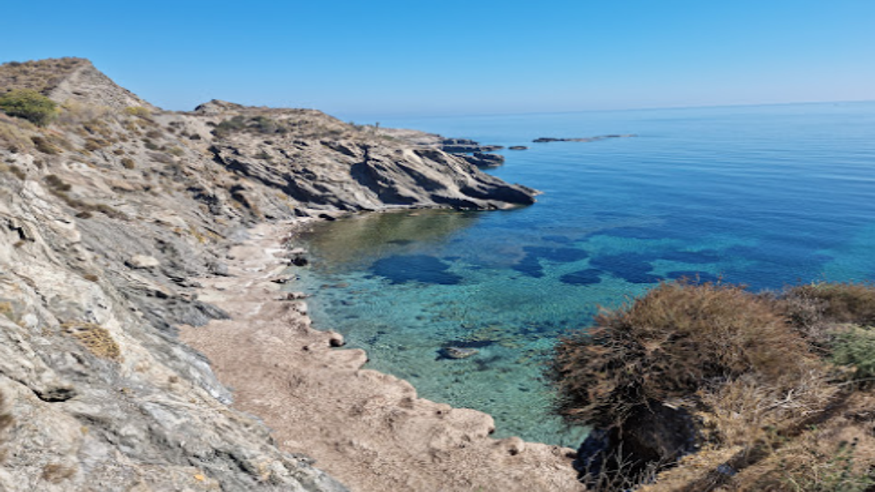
(364, 59)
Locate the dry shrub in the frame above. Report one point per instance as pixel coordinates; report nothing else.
(96, 339)
(836, 455)
(673, 342)
(14, 134)
(831, 302)
(45, 146)
(57, 473)
(750, 412)
(40, 75)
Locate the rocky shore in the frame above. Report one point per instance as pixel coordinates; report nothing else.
(116, 222)
(367, 429)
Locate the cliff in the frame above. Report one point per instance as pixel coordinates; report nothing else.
(107, 217)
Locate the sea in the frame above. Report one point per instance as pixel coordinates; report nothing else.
(764, 196)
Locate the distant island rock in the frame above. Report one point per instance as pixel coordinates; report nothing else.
(518, 147)
(583, 139)
(464, 145)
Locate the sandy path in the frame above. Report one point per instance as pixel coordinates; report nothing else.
(367, 429)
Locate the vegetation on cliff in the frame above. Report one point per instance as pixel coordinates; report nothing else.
(768, 391)
(30, 105)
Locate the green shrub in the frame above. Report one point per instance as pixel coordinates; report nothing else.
(138, 111)
(856, 348)
(673, 341)
(30, 105)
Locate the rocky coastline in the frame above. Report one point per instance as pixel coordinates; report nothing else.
(367, 429)
(123, 225)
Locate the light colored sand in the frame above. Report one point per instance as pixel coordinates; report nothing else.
(367, 429)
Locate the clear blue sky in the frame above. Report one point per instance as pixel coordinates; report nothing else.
(371, 58)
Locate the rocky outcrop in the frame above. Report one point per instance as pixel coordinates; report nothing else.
(107, 219)
(582, 139)
(464, 145)
(484, 160)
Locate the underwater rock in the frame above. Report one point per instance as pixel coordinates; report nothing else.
(583, 277)
(420, 268)
(457, 352)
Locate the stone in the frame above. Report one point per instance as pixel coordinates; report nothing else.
(457, 352)
(143, 261)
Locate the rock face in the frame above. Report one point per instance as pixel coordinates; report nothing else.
(481, 159)
(107, 218)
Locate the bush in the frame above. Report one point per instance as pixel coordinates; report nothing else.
(44, 145)
(670, 343)
(30, 105)
(138, 111)
(57, 184)
(128, 163)
(856, 348)
(226, 127)
(846, 302)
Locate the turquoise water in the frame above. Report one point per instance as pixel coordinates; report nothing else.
(765, 196)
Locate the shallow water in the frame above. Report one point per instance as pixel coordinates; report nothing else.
(765, 196)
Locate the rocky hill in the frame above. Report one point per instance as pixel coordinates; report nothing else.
(106, 216)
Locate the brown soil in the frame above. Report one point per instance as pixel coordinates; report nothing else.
(367, 429)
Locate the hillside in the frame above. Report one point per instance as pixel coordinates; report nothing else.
(108, 214)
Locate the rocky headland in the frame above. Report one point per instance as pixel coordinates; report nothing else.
(123, 225)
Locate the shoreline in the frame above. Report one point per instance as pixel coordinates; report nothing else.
(367, 429)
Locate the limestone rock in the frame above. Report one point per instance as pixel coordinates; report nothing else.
(142, 261)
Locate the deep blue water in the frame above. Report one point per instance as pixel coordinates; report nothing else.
(764, 196)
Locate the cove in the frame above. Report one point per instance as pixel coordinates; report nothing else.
(763, 196)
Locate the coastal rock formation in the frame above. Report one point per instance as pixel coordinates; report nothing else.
(583, 139)
(109, 217)
(481, 159)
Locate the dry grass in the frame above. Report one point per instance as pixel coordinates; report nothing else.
(45, 146)
(7, 309)
(15, 134)
(6, 418)
(96, 339)
(41, 76)
(821, 303)
(57, 473)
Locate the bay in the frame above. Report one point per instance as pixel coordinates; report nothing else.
(764, 196)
